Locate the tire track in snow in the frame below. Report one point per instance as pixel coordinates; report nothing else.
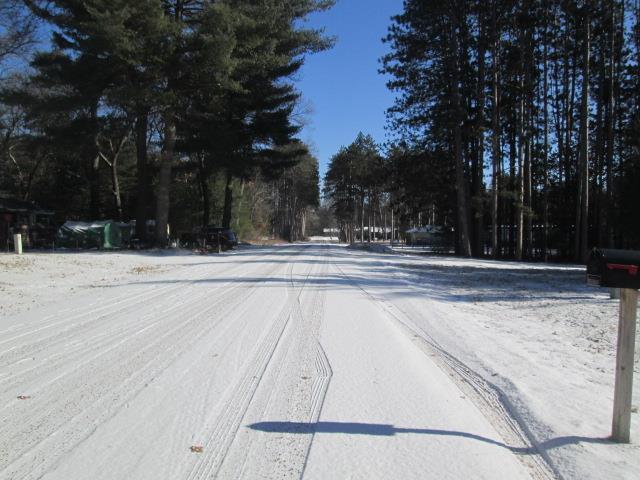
(113, 337)
(321, 362)
(322, 365)
(74, 350)
(93, 389)
(320, 384)
(61, 416)
(276, 383)
(224, 428)
(224, 432)
(488, 398)
(290, 390)
(177, 389)
(185, 274)
(126, 303)
(77, 313)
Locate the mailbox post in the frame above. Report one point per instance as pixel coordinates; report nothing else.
(17, 243)
(620, 269)
(621, 428)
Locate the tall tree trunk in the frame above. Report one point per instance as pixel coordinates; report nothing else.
(529, 125)
(205, 191)
(527, 203)
(373, 214)
(597, 203)
(115, 180)
(384, 238)
(93, 169)
(392, 226)
(241, 200)
(369, 217)
(464, 242)
(520, 187)
(94, 188)
(610, 119)
(362, 220)
(228, 201)
(619, 111)
(354, 203)
(31, 177)
(557, 97)
(480, 124)
(568, 144)
(164, 181)
(115, 183)
(142, 176)
(513, 175)
(545, 151)
(582, 243)
(495, 137)
(558, 119)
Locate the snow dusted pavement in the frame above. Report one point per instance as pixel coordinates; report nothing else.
(309, 361)
(390, 412)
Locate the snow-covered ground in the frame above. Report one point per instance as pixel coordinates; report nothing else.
(535, 335)
(304, 360)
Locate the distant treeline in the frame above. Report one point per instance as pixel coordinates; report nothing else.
(180, 111)
(518, 124)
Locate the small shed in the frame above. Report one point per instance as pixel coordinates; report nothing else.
(27, 218)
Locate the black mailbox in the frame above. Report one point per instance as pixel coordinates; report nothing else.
(614, 268)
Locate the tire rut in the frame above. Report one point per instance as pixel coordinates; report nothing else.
(283, 344)
(223, 431)
(90, 398)
(69, 326)
(488, 398)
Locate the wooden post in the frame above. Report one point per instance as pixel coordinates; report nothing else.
(621, 427)
(392, 228)
(17, 243)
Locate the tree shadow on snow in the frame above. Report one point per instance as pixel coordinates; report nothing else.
(387, 430)
(479, 282)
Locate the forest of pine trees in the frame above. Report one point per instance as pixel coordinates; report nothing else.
(516, 123)
(180, 111)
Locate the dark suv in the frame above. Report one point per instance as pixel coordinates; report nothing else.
(210, 237)
(214, 235)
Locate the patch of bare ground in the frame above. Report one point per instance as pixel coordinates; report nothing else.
(140, 269)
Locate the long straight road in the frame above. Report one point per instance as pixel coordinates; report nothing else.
(274, 362)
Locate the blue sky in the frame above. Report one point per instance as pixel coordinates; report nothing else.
(342, 85)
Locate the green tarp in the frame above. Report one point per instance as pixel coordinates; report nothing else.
(104, 234)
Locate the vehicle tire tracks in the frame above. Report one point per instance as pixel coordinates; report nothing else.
(90, 398)
(488, 398)
(126, 329)
(69, 326)
(224, 434)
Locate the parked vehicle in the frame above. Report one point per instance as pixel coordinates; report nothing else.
(210, 237)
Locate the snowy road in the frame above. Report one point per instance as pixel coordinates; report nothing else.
(274, 362)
